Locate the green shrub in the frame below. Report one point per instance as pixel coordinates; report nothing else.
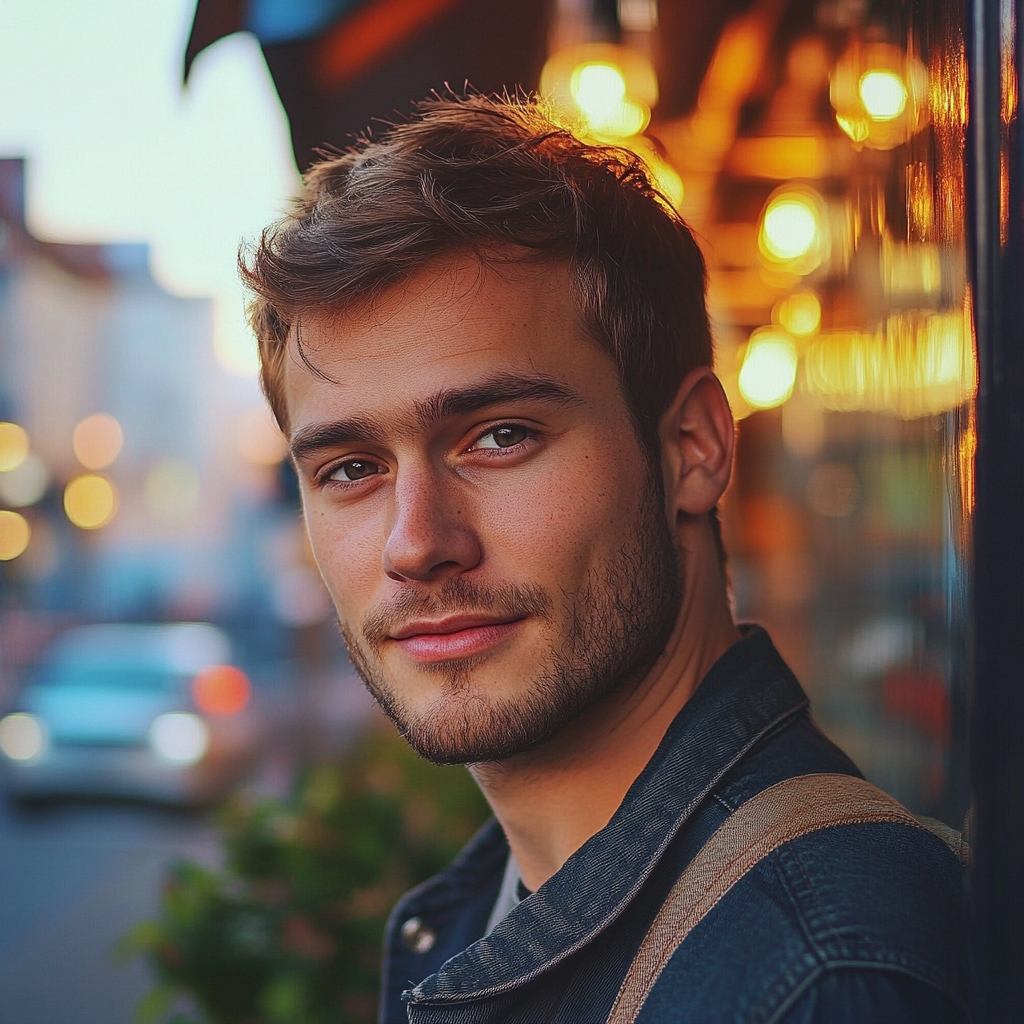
(289, 931)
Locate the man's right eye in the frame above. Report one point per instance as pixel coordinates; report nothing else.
(354, 469)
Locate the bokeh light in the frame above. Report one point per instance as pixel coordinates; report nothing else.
(599, 90)
(221, 690)
(790, 229)
(883, 94)
(13, 446)
(799, 313)
(25, 484)
(90, 501)
(912, 364)
(22, 737)
(179, 737)
(14, 535)
(97, 440)
(880, 95)
(769, 369)
(171, 491)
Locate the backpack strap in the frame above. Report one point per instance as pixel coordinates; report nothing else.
(777, 815)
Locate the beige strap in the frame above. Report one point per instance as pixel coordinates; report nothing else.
(777, 815)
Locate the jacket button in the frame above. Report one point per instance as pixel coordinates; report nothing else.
(418, 937)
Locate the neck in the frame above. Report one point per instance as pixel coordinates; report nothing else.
(552, 799)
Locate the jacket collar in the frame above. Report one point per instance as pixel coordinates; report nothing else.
(748, 694)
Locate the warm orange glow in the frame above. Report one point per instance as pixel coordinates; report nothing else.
(221, 690)
(663, 176)
(779, 157)
(97, 440)
(799, 313)
(920, 200)
(13, 446)
(883, 94)
(600, 89)
(915, 364)
(792, 236)
(880, 95)
(966, 454)
(769, 368)
(912, 271)
(90, 501)
(746, 290)
(14, 535)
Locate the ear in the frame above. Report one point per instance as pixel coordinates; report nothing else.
(697, 436)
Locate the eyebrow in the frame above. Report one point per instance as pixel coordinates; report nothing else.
(445, 404)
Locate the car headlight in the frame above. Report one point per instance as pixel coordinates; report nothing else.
(22, 737)
(179, 737)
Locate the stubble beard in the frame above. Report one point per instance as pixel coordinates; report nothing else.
(612, 631)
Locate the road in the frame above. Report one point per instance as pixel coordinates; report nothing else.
(74, 879)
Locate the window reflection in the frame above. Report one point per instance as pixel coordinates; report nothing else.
(823, 163)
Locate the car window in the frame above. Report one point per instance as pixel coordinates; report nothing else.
(119, 676)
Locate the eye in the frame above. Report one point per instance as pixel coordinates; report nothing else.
(354, 469)
(505, 436)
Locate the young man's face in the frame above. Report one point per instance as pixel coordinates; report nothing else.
(479, 506)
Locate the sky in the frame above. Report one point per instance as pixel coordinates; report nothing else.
(91, 95)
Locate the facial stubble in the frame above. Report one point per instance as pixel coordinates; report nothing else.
(612, 630)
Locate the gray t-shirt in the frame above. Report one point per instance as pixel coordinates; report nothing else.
(510, 895)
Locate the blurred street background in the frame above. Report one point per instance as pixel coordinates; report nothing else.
(817, 149)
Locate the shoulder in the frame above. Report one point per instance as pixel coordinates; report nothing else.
(878, 905)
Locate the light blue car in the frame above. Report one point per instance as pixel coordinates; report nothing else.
(149, 711)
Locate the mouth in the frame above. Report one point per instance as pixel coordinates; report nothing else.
(462, 636)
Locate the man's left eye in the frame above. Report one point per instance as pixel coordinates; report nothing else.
(503, 437)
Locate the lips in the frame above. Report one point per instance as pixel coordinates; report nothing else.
(457, 637)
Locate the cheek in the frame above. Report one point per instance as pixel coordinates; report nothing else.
(562, 521)
(348, 554)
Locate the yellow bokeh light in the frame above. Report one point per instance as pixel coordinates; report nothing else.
(880, 95)
(790, 229)
(883, 94)
(97, 440)
(90, 501)
(769, 369)
(914, 364)
(599, 90)
(799, 313)
(13, 446)
(792, 236)
(14, 535)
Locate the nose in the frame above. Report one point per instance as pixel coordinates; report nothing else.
(431, 537)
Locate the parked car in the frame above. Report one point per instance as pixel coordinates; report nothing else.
(151, 711)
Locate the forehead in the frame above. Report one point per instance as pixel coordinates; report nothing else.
(455, 322)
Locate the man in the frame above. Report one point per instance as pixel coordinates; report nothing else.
(488, 346)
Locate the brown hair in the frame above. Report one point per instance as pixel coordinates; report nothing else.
(486, 174)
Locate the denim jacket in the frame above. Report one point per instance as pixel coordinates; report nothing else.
(852, 924)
